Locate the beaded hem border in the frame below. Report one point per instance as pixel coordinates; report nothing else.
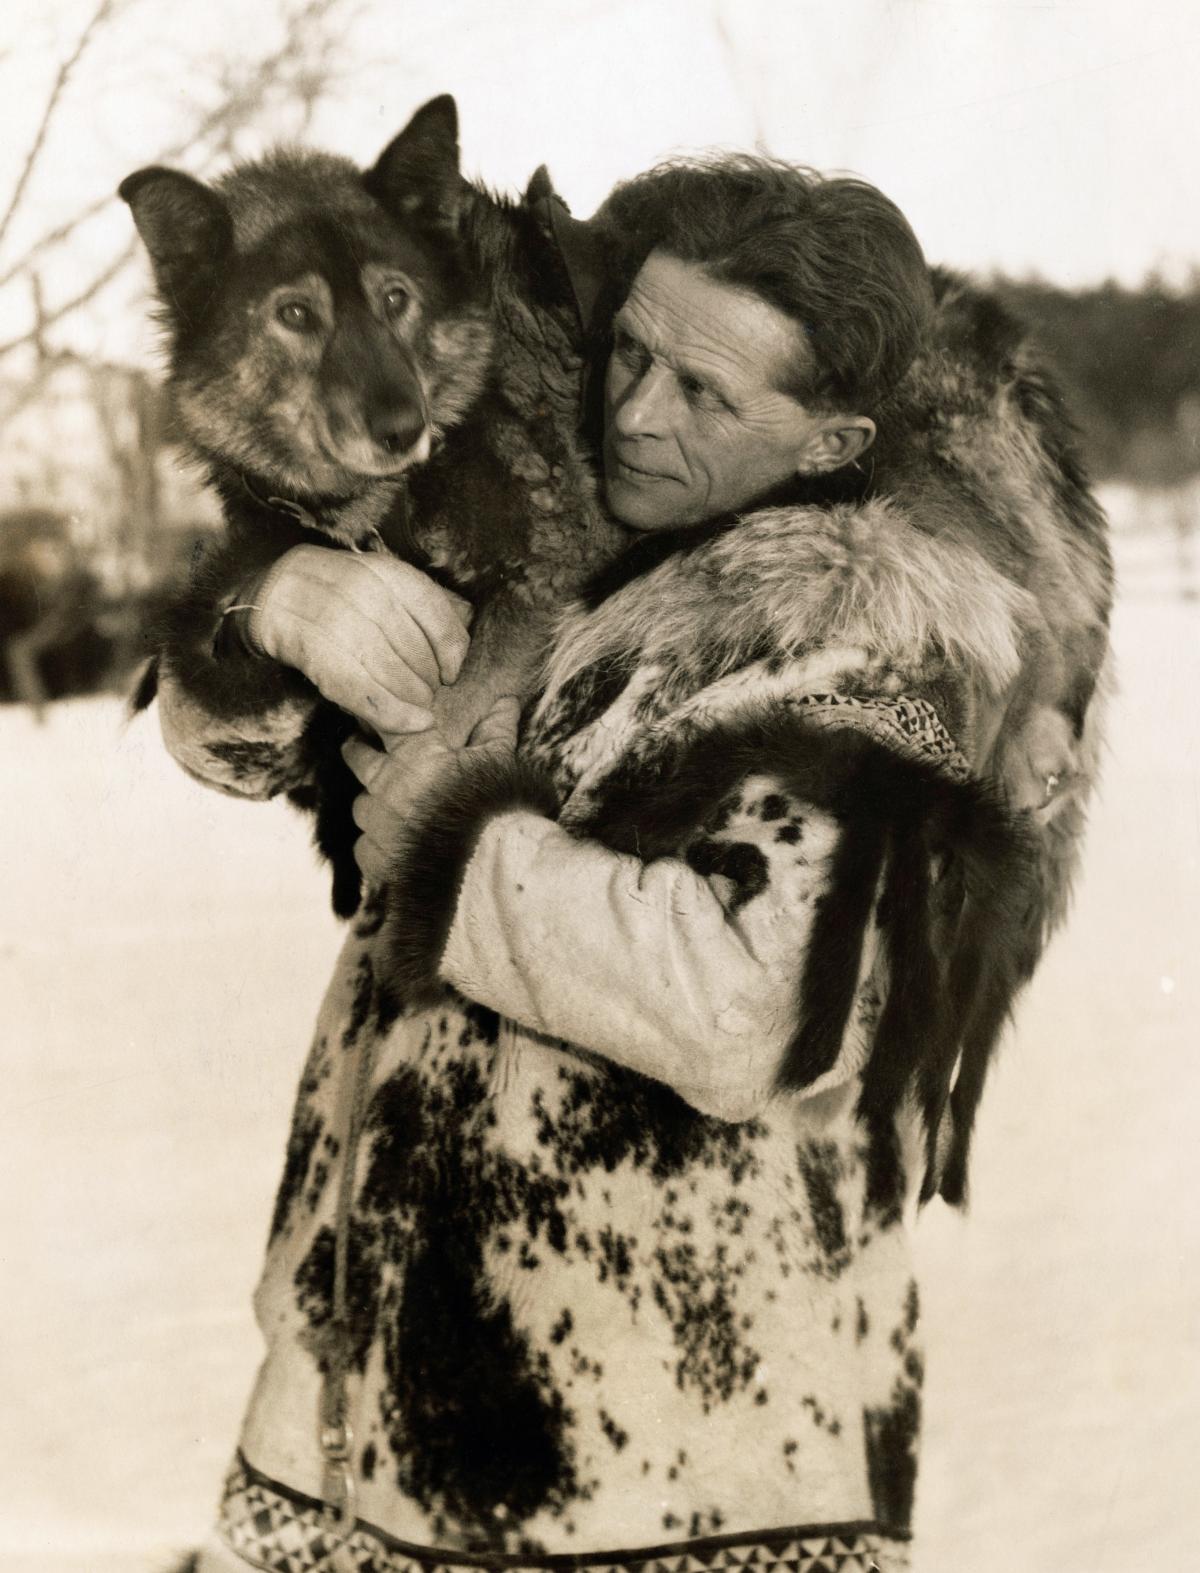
(280, 1531)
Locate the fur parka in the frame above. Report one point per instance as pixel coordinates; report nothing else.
(660, 1032)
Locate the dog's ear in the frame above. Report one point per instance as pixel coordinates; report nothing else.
(416, 176)
(540, 186)
(185, 225)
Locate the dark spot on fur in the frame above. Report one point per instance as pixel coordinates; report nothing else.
(562, 1327)
(697, 1294)
(472, 1414)
(402, 1144)
(773, 807)
(616, 1116)
(362, 1001)
(862, 1325)
(245, 759)
(320, 1178)
(738, 861)
(891, 1445)
(485, 1024)
(912, 1307)
(369, 1459)
(314, 1293)
(616, 1258)
(720, 817)
(820, 1165)
(822, 1420)
(302, 1138)
(789, 834)
(615, 1434)
(891, 1433)
(479, 1423)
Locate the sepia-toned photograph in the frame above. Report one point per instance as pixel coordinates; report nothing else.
(599, 786)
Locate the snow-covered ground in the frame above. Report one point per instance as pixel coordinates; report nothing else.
(162, 951)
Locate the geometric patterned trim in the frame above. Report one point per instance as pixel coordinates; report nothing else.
(907, 725)
(280, 1531)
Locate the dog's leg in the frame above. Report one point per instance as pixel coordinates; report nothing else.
(506, 646)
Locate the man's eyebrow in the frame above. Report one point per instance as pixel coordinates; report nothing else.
(708, 379)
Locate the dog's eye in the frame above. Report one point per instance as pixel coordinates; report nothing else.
(296, 316)
(395, 300)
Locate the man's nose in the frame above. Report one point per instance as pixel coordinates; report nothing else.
(640, 412)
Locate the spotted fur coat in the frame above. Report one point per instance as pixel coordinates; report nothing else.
(660, 1027)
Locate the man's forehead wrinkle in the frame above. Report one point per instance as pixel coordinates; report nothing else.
(698, 341)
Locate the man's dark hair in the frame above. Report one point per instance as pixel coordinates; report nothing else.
(833, 253)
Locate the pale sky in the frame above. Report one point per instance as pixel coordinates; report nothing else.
(1057, 137)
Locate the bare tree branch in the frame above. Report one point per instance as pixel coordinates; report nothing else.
(103, 10)
(64, 308)
(54, 236)
(244, 100)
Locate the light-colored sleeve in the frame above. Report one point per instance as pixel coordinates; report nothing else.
(676, 974)
(255, 754)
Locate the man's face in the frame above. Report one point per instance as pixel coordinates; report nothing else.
(695, 424)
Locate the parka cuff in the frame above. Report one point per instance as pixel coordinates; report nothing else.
(431, 861)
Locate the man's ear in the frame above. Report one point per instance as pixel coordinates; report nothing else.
(185, 225)
(834, 442)
(416, 177)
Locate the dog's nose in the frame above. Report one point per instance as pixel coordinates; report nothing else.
(395, 427)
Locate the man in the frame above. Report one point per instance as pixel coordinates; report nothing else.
(592, 1237)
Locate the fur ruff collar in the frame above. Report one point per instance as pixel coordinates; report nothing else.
(788, 580)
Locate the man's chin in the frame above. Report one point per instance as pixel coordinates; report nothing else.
(640, 508)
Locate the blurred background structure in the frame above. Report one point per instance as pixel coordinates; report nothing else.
(162, 950)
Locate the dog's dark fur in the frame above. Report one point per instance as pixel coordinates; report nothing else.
(385, 360)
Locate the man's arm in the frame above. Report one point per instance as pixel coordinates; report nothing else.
(245, 660)
(654, 965)
(832, 891)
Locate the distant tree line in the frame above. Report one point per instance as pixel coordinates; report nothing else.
(1129, 363)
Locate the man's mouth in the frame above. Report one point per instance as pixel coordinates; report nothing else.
(633, 472)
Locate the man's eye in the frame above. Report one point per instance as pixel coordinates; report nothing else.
(627, 349)
(396, 300)
(297, 317)
(695, 391)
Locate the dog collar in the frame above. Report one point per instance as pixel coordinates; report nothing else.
(320, 514)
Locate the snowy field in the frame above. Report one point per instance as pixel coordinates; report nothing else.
(162, 951)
